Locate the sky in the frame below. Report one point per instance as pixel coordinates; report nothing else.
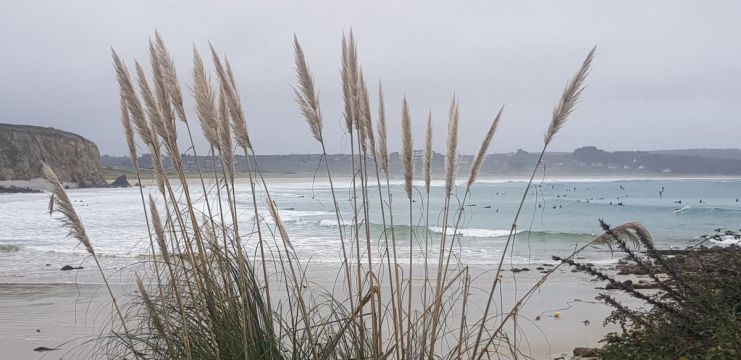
(667, 74)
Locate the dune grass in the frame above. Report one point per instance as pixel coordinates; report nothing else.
(216, 290)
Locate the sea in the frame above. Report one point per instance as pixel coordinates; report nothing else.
(558, 216)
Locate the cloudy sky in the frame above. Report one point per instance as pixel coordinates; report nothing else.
(667, 73)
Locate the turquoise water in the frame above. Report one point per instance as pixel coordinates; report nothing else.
(558, 215)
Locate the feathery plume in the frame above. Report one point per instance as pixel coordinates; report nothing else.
(163, 99)
(133, 104)
(306, 95)
(59, 202)
(427, 160)
(170, 75)
(569, 98)
(128, 130)
(153, 109)
(481, 155)
(279, 223)
(383, 152)
(225, 137)
(159, 231)
(203, 93)
(364, 115)
(349, 78)
(451, 157)
(406, 152)
(238, 122)
(630, 233)
(154, 313)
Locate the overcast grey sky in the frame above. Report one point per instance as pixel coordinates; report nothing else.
(667, 73)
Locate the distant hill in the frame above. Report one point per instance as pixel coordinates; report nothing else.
(730, 154)
(24, 147)
(586, 161)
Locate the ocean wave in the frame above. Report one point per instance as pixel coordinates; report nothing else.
(704, 209)
(472, 232)
(727, 240)
(9, 248)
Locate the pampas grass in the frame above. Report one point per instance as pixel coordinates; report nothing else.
(478, 160)
(216, 299)
(427, 160)
(451, 154)
(306, 95)
(406, 148)
(569, 98)
(383, 152)
(205, 107)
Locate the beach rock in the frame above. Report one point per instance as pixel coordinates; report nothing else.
(627, 283)
(70, 267)
(586, 352)
(12, 189)
(44, 348)
(121, 182)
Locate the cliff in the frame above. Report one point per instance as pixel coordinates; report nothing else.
(73, 158)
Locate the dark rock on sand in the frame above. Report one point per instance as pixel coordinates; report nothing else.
(44, 348)
(627, 283)
(12, 189)
(586, 352)
(121, 182)
(70, 267)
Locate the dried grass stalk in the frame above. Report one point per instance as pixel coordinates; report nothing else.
(569, 98)
(478, 160)
(306, 96)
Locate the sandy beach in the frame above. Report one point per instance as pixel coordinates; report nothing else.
(69, 316)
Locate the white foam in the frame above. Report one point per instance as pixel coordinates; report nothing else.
(472, 232)
(727, 240)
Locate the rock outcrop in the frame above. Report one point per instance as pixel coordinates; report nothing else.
(24, 147)
(121, 182)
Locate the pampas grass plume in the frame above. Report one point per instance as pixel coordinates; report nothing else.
(569, 98)
(306, 95)
(481, 154)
